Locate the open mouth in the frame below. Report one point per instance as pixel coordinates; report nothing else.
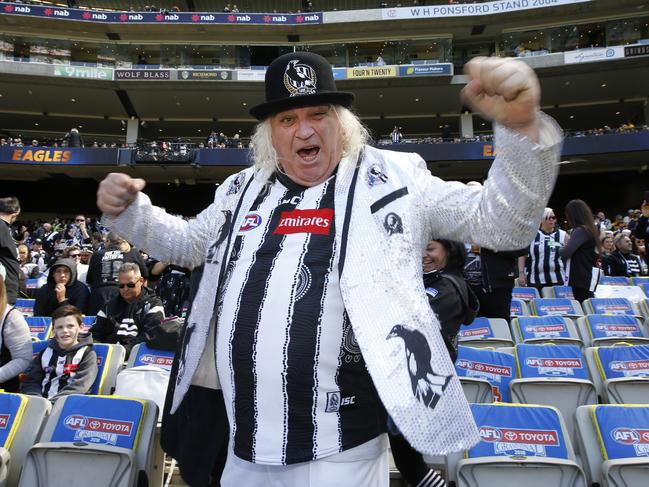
(309, 153)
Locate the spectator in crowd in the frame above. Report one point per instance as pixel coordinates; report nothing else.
(608, 246)
(9, 211)
(128, 316)
(39, 256)
(97, 241)
(68, 365)
(103, 271)
(172, 285)
(602, 222)
(581, 251)
(62, 288)
(16, 341)
(542, 266)
(642, 228)
(638, 248)
(28, 268)
(396, 136)
(622, 262)
(74, 252)
(77, 233)
(306, 125)
(49, 237)
(86, 254)
(73, 138)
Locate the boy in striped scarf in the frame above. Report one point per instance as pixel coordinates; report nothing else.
(68, 365)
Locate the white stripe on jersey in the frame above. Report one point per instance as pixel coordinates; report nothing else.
(289, 280)
(544, 265)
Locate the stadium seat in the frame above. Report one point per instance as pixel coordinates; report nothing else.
(39, 326)
(518, 308)
(556, 306)
(21, 419)
(555, 376)
(614, 441)
(613, 281)
(495, 367)
(553, 328)
(620, 373)
(557, 292)
(610, 306)
(38, 346)
(601, 330)
(26, 306)
(520, 445)
(88, 321)
(142, 354)
(486, 332)
(109, 360)
(525, 293)
(639, 281)
(645, 288)
(97, 440)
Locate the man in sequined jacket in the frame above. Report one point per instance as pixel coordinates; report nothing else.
(326, 221)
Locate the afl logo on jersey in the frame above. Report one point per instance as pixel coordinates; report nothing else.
(250, 222)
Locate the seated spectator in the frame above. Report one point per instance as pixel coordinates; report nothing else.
(608, 246)
(16, 341)
(127, 316)
(622, 262)
(39, 256)
(28, 268)
(62, 288)
(74, 252)
(68, 365)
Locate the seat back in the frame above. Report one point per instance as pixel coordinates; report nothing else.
(99, 439)
(613, 281)
(88, 321)
(26, 306)
(525, 293)
(497, 368)
(486, 332)
(557, 292)
(520, 445)
(530, 329)
(610, 329)
(109, 360)
(621, 373)
(609, 306)
(556, 306)
(21, 419)
(39, 326)
(518, 308)
(614, 441)
(546, 361)
(639, 281)
(142, 354)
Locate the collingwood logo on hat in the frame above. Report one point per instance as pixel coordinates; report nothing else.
(299, 78)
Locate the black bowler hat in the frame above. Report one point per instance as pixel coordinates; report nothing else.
(299, 79)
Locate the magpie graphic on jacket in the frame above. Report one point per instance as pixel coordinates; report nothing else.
(427, 386)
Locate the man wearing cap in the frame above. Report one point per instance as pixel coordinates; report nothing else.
(311, 306)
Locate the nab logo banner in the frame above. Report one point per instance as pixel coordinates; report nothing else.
(317, 221)
(250, 222)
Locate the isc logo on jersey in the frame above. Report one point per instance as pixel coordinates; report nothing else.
(250, 222)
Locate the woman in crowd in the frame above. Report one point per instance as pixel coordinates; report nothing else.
(582, 250)
(607, 244)
(16, 349)
(454, 303)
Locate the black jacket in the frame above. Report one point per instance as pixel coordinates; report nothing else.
(642, 228)
(126, 323)
(104, 265)
(76, 292)
(582, 254)
(499, 269)
(614, 264)
(9, 259)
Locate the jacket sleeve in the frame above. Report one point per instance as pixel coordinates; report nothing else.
(103, 326)
(82, 296)
(170, 238)
(577, 238)
(84, 377)
(18, 340)
(153, 314)
(506, 211)
(41, 300)
(31, 384)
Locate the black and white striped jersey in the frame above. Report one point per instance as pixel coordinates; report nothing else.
(544, 265)
(294, 382)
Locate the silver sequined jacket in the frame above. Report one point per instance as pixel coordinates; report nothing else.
(398, 206)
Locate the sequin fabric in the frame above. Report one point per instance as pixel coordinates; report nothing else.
(381, 284)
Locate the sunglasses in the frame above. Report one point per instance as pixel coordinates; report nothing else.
(75, 256)
(129, 285)
(552, 217)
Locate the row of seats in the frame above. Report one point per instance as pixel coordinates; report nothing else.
(530, 445)
(589, 330)
(100, 440)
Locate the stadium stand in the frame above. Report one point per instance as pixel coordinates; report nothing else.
(486, 332)
(599, 330)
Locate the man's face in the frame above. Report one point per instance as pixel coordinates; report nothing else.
(624, 245)
(47, 227)
(308, 143)
(22, 254)
(130, 286)
(66, 331)
(600, 216)
(61, 275)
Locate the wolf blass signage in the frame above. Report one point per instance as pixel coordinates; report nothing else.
(142, 74)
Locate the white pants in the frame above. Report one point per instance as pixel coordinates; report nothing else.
(366, 465)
